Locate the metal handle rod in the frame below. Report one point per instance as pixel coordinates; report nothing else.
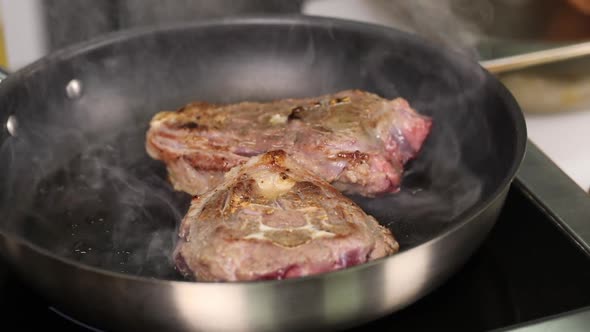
(521, 61)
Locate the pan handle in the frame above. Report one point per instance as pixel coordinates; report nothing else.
(521, 61)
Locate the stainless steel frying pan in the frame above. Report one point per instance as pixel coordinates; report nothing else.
(89, 219)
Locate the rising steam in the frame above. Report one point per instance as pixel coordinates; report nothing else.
(81, 184)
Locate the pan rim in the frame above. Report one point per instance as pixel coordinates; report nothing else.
(464, 218)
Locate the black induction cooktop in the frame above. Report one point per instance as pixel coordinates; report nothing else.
(533, 268)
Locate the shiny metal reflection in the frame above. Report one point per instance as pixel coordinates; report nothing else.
(403, 287)
(214, 307)
(74, 89)
(12, 125)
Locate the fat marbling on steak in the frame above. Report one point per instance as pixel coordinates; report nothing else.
(353, 139)
(272, 219)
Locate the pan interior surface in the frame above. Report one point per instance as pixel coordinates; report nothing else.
(78, 182)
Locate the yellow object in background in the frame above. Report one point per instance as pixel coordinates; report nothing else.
(3, 55)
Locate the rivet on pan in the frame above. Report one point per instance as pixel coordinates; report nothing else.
(74, 89)
(12, 125)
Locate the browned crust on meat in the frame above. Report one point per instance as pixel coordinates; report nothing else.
(354, 158)
(346, 129)
(271, 215)
(275, 158)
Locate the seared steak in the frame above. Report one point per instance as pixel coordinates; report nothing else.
(353, 139)
(272, 219)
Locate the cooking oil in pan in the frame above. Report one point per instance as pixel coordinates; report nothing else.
(111, 209)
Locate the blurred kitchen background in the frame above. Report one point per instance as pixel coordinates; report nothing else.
(555, 97)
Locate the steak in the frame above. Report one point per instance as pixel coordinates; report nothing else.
(353, 139)
(270, 218)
